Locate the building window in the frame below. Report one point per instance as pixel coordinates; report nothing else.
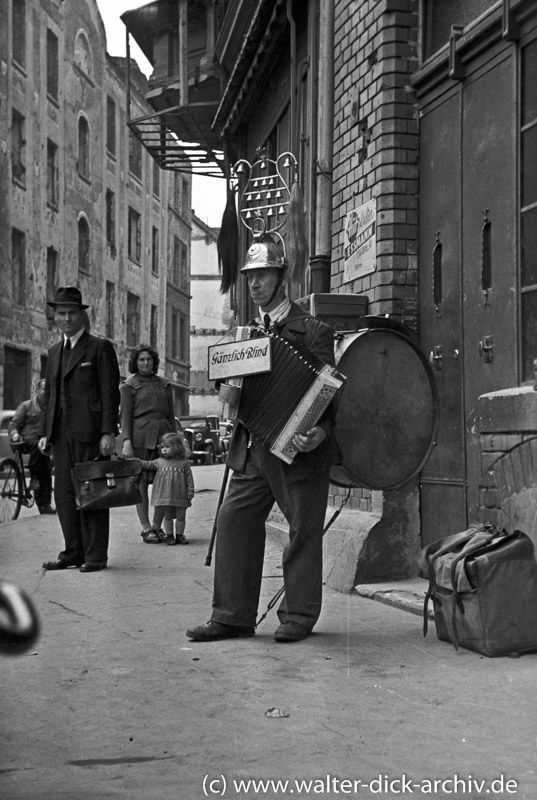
(18, 265)
(19, 32)
(52, 174)
(52, 65)
(438, 17)
(176, 262)
(111, 220)
(83, 245)
(528, 206)
(135, 236)
(17, 376)
(153, 329)
(83, 148)
(83, 55)
(185, 198)
(155, 251)
(111, 126)
(135, 156)
(52, 271)
(184, 267)
(18, 147)
(177, 191)
(133, 320)
(182, 338)
(175, 335)
(156, 179)
(110, 303)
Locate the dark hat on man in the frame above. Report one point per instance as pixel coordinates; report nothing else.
(67, 296)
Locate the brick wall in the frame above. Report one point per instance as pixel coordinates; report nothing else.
(376, 146)
(376, 156)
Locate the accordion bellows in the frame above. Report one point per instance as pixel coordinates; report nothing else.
(288, 400)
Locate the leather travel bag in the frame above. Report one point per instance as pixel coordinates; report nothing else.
(107, 483)
(483, 584)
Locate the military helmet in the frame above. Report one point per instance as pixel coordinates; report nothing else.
(265, 253)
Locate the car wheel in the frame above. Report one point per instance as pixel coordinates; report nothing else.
(209, 455)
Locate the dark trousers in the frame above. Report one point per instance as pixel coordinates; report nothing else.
(86, 533)
(240, 541)
(40, 467)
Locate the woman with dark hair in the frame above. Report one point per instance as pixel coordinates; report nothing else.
(147, 413)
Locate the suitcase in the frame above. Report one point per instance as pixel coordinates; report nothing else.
(483, 584)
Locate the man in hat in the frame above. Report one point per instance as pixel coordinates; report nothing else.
(80, 421)
(260, 478)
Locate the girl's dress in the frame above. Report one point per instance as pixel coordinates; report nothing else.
(173, 482)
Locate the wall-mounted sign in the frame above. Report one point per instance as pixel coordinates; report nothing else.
(360, 241)
(235, 359)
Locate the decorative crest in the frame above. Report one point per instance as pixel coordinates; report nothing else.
(266, 194)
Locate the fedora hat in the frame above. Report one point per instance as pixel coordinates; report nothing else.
(67, 296)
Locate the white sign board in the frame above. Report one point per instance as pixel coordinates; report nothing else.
(235, 359)
(360, 241)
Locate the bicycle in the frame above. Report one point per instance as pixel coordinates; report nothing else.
(15, 490)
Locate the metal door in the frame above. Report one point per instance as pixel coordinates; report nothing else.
(467, 262)
(443, 482)
(488, 240)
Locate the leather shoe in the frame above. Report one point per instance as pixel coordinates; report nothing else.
(213, 631)
(290, 631)
(93, 566)
(58, 564)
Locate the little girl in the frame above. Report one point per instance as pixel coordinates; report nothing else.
(173, 488)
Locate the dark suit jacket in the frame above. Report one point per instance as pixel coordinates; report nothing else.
(305, 331)
(91, 387)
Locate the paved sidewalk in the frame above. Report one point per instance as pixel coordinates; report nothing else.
(113, 701)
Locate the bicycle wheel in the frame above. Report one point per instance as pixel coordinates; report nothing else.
(10, 490)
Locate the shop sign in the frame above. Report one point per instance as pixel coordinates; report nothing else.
(360, 241)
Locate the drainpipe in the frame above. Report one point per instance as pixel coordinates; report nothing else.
(320, 261)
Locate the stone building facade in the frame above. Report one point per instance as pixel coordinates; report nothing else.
(210, 314)
(81, 202)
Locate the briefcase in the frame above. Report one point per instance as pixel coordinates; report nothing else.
(107, 484)
(483, 584)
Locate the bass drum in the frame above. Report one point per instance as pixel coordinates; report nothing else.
(387, 413)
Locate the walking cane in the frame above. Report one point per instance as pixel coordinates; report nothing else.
(209, 556)
(281, 590)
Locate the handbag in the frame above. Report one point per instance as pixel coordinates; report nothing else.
(107, 484)
(483, 584)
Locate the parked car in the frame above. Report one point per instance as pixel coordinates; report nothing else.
(203, 436)
(226, 426)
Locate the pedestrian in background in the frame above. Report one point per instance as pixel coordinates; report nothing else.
(173, 489)
(79, 419)
(24, 428)
(147, 412)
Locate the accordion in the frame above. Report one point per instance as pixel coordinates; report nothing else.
(288, 400)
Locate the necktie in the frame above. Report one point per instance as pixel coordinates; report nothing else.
(66, 356)
(266, 322)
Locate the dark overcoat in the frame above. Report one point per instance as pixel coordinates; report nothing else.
(91, 387)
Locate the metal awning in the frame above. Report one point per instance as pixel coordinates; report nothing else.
(175, 138)
(179, 133)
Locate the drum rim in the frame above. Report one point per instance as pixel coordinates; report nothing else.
(435, 407)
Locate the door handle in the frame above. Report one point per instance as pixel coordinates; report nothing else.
(436, 358)
(486, 349)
